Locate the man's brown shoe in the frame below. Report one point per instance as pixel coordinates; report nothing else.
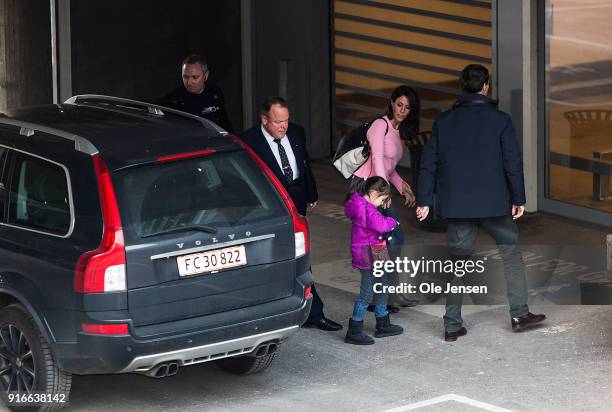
(526, 320)
(452, 336)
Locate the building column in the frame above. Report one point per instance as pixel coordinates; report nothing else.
(25, 54)
(530, 104)
(62, 51)
(248, 75)
(11, 14)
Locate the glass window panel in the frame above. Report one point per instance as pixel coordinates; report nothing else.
(38, 196)
(579, 102)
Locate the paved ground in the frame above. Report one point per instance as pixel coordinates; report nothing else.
(566, 365)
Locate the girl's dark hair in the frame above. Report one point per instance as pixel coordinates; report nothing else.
(365, 186)
(410, 126)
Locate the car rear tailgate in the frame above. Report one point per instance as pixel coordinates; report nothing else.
(203, 208)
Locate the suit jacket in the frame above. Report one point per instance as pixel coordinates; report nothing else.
(302, 190)
(473, 161)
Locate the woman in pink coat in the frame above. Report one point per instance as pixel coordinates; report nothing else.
(386, 137)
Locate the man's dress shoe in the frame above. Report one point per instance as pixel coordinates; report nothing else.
(324, 324)
(452, 336)
(526, 320)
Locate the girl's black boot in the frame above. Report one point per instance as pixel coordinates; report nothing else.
(385, 328)
(355, 335)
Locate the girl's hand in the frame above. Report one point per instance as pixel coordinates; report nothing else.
(409, 196)
(386, 203)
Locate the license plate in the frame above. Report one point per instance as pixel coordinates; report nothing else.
(211, 261)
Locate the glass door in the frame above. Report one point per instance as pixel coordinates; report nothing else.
(578, 115)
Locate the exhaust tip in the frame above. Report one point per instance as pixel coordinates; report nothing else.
(172, 369)
(266, 348)
(162, 371)
(262, 351)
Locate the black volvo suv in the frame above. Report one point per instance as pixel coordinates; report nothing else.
(136, 238)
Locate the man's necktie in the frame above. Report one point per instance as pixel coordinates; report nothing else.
(287, 171)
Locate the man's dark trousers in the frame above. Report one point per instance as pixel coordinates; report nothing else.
(461, 236)
(316, 310)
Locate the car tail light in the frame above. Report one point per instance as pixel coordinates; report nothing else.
(106, 329)
(307, 292)
(301, 230)
(300, 224)
(103, 269)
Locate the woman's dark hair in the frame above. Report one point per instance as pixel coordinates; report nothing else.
(410, 126)
(365, 186)
(473, 77)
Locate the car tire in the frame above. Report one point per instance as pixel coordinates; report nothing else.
(246, 365)
(37, 370)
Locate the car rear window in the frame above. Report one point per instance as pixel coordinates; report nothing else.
(217, 190)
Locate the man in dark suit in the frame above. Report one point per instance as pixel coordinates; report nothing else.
(282, 146)
(474, 162)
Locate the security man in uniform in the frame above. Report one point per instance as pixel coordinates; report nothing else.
(197, 97)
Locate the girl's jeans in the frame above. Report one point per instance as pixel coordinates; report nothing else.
(367, 295)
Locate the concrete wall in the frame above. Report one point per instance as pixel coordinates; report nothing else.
(531, 111)
(516, 77)
(509, 60)
(291, 59)
(134, 48)
(25, 53)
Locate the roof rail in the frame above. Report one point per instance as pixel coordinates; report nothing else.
(156, 110)
(28, 129)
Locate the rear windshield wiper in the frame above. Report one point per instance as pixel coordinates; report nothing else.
(185, 228)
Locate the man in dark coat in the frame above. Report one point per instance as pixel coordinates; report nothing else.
(475, 164)
(196, 96)
(282, 146)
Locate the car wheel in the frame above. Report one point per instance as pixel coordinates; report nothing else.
(245, 365)
(26, 363)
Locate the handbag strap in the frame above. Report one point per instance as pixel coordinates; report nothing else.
(385, 135)
(386, 123)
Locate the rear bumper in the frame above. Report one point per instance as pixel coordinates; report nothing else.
(96, 354)
(210, 352)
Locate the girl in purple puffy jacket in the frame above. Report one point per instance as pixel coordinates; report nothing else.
(368, 227)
